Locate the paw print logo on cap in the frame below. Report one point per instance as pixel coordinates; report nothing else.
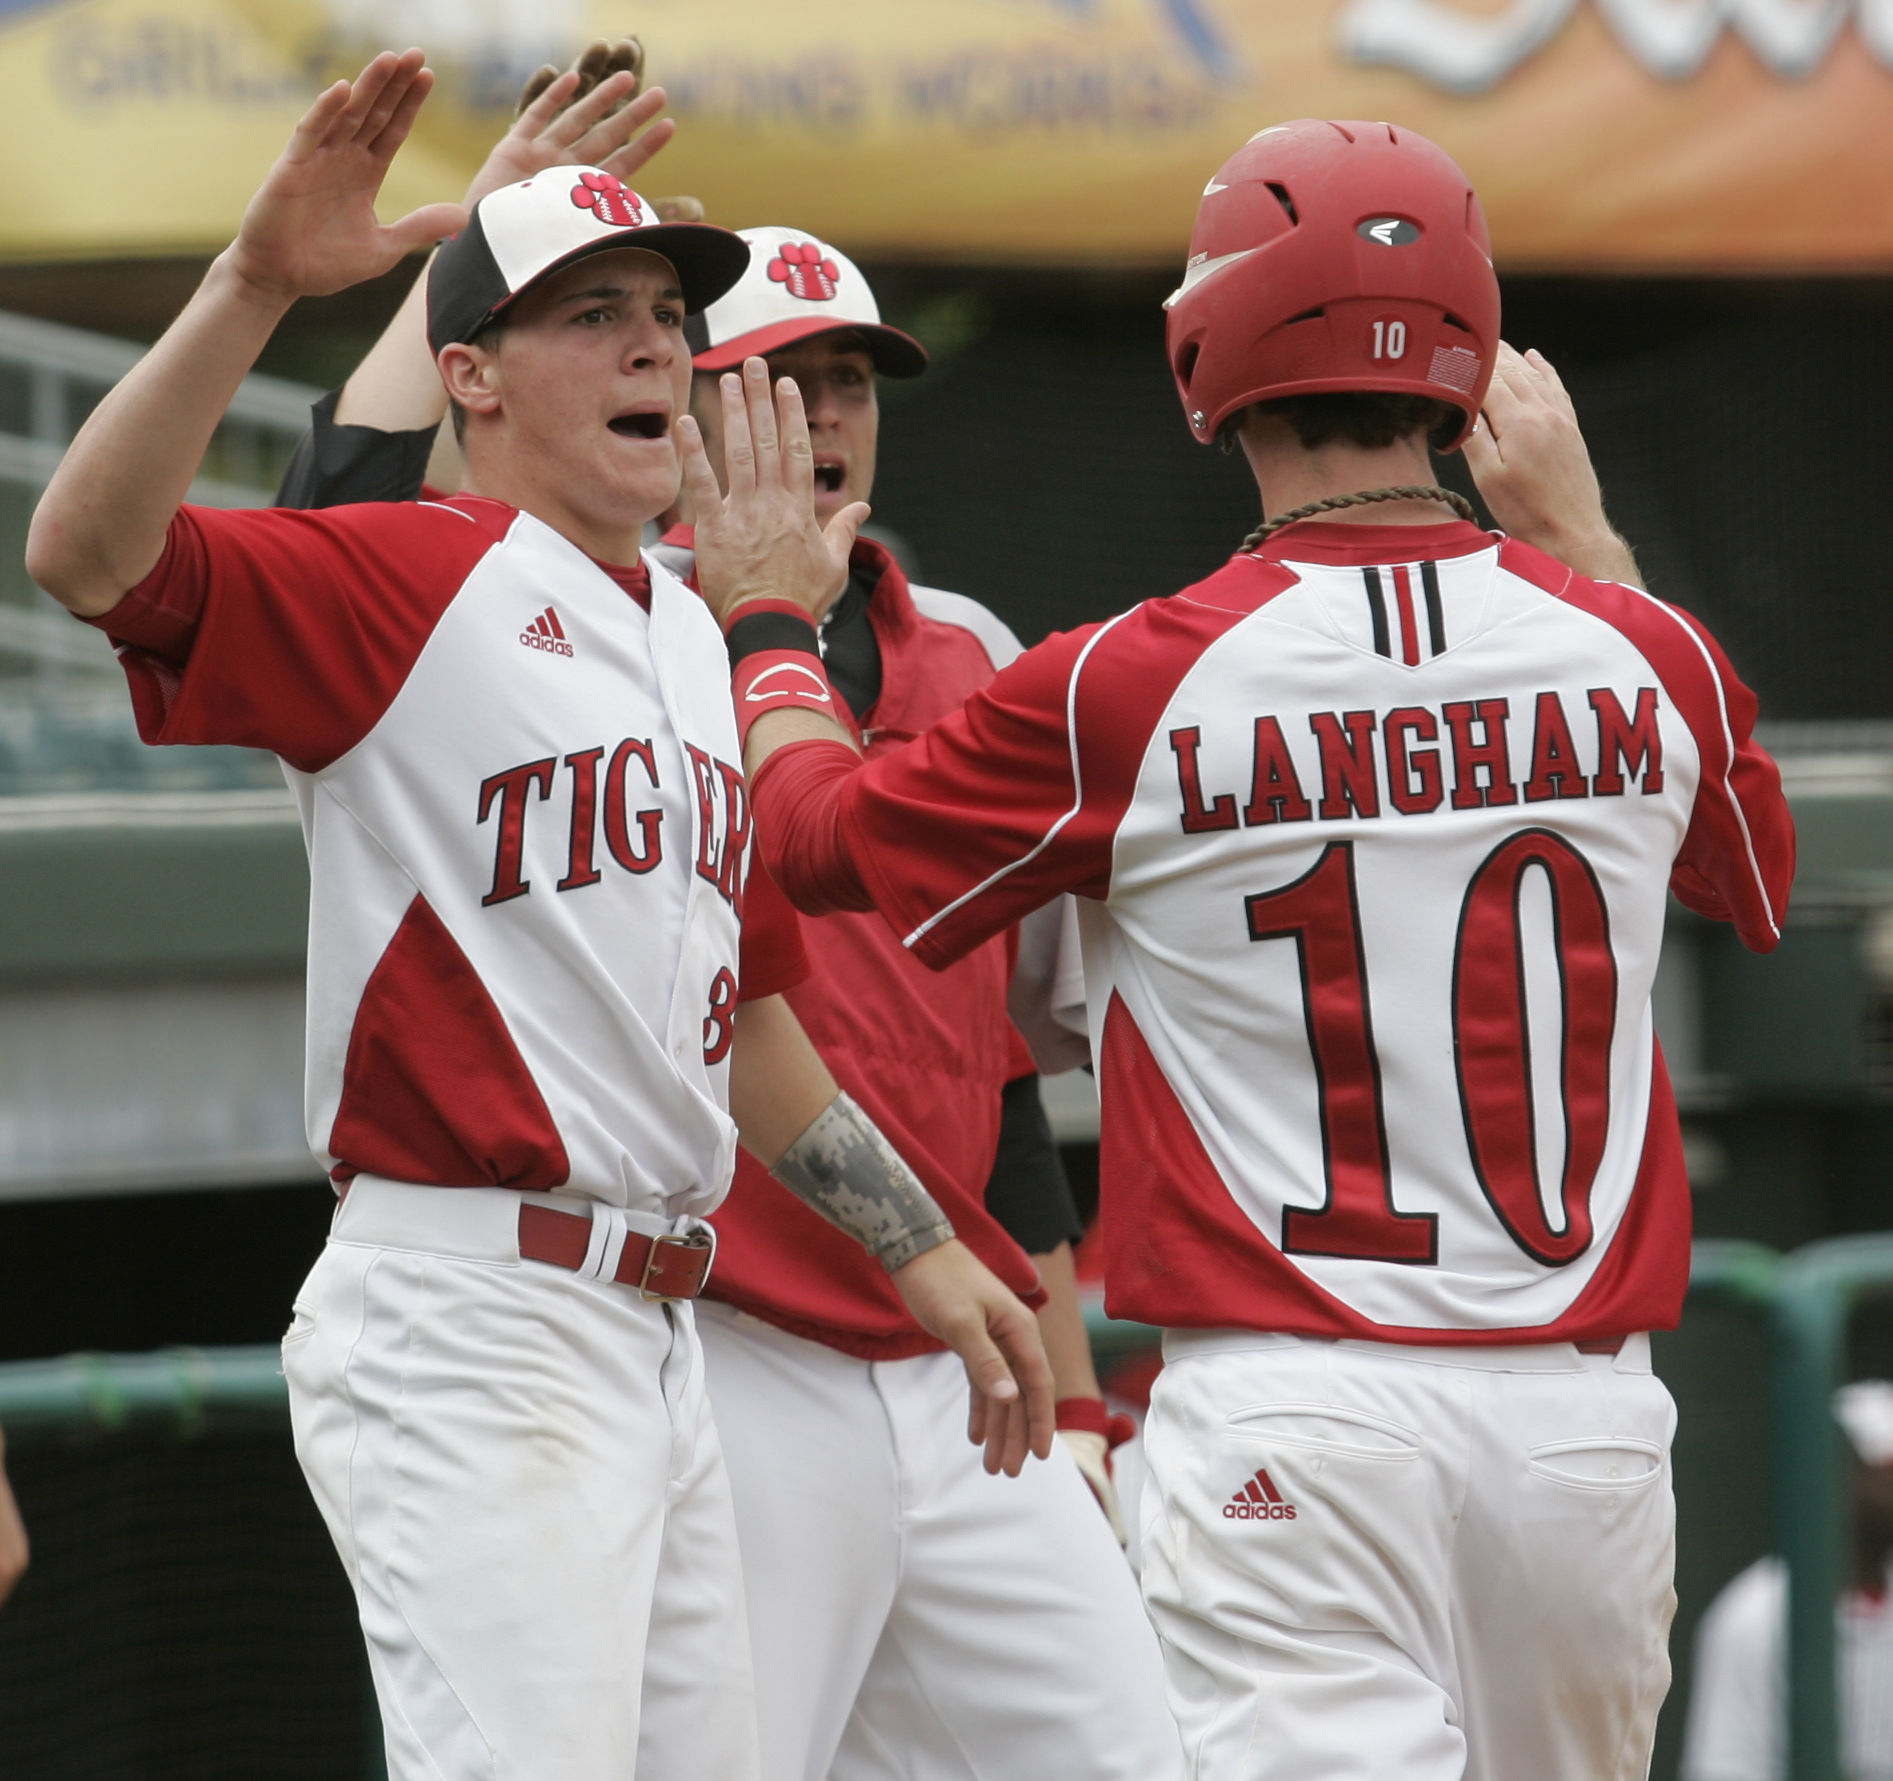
(609, 199)
(803, 269)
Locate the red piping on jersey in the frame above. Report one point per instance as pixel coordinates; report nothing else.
(1409, 627)
(1728, 762)
(1594, 598)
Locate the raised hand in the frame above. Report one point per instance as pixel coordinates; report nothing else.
(311, 228)
(600, 59)
(1530, 461)
(761, 540)
(592, 115)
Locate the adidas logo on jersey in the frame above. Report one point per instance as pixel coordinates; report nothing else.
(1258, 1500)
(545, 632)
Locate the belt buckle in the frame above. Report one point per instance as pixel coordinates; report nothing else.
(676, 1240)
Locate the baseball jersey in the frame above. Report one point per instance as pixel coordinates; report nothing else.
(1374, 830)
(527, 828)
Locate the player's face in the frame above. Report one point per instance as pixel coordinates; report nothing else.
(591, 371)
(836, 377)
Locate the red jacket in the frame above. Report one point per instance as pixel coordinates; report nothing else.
(925, 1053)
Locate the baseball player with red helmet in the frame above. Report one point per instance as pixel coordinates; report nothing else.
(509, 738)
(909, 1613)
(1373, 832)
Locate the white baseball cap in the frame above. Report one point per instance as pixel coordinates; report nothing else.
(523, 231)
(796, 286)
(1865, 1411)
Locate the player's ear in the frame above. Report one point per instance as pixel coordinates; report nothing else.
(471, 374)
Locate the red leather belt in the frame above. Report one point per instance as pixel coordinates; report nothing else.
(1601, 1345)
(666, 1267)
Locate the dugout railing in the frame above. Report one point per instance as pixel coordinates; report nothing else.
(174, 1395)
(51, 378)
(1805, 1299)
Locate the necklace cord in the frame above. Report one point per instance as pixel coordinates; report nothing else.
(1366, 497)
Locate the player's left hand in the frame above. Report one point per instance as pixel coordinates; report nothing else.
(1534, 470)
(761, 539)
(592, 115)
(953, 1295)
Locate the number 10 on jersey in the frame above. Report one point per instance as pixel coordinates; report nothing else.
(1320, 913)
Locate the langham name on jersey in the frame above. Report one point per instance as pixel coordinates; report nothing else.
(1396, 758)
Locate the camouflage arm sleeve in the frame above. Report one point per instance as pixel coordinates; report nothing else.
(847, 1171)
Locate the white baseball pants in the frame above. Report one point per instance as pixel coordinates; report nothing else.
(520, 1472)
(1442, 1565)
(912, 1618)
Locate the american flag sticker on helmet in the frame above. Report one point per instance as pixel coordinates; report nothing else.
(1455, 367)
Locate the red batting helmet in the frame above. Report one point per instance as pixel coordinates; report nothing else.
(1334, 256)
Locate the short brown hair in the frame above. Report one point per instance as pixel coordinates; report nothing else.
(1368, 418)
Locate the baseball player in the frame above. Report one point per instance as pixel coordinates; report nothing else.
(1738, 1698)
(1373, 831)
(527, 829)
(907, 1617)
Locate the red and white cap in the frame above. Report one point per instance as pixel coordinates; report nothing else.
(523, 231)
(796, 286)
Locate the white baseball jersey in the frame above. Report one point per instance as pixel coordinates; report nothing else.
(526, 824)
(1376, 827)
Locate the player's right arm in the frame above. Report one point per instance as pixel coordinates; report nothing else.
(1528, 456)
(103, 522)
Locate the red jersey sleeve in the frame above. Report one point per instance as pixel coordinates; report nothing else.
(291, 631)
(773, 957)
(1737, 860)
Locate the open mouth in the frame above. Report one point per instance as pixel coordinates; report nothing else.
(651, 424)
(829, 478)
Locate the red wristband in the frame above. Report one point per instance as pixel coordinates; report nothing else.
(778, 680)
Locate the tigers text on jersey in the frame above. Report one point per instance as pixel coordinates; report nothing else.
(526, 829)
(1377, 827)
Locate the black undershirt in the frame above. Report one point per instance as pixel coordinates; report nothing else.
(851, 652)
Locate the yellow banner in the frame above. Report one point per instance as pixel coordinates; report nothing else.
(1604, 135)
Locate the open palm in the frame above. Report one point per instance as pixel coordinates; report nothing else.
(566, 125)
(312, 228)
